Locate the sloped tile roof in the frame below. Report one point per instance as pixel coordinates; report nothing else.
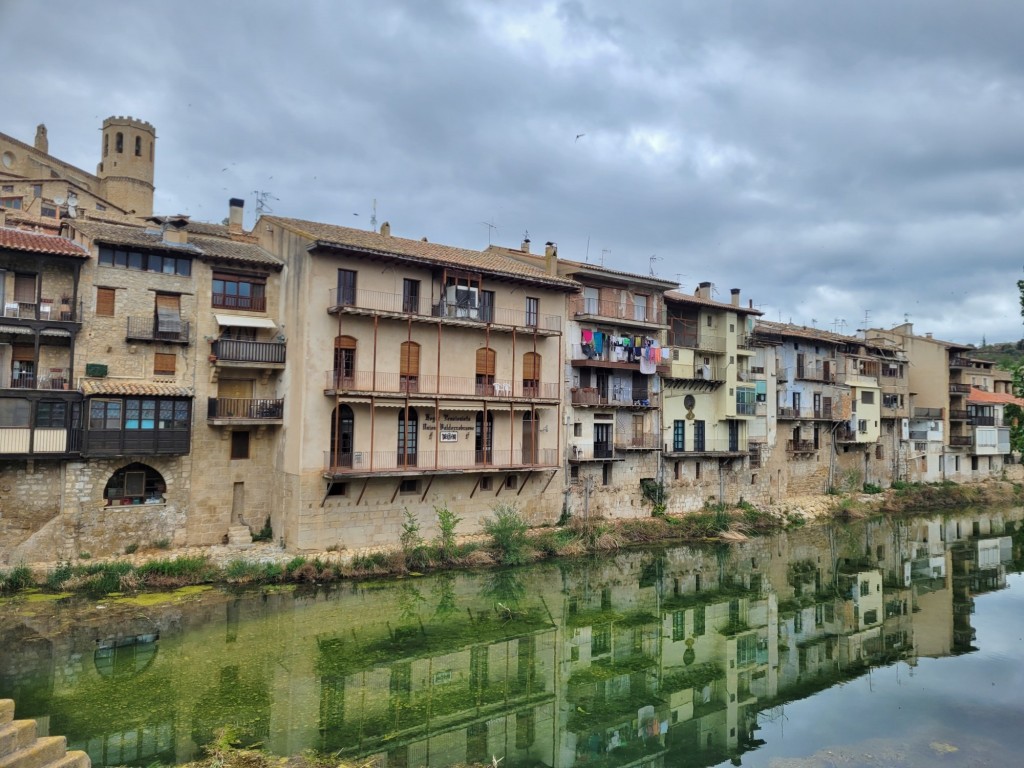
(981, 397)
(152, 388)
(199, 245)
(689, 299)
(37, 242)
(421, 251)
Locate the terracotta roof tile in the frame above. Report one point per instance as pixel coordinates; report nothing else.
(199, 245)
(689, 299)
(767, 327)
(153, 388)
(37, 242)
(982, 397)
(421, 251)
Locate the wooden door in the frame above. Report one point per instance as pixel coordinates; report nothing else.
(234, 398)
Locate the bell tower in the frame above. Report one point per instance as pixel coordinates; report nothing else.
(125, 169)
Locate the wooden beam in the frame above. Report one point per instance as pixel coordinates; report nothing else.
(362, 491)
(395, 494)
(430, 482)
(475, 486)
(525, 481)
(553, 473)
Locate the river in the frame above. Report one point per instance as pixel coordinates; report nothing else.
(872, 643)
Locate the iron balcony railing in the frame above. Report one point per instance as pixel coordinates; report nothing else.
(151, 329)
(959, 389)
(472, 309)
(958, 414)
(242, 408)
(50, 378)
(962, 441)
(927, 413)
(243, 351)
(697, 372)
(624, 398)
(826, 413)
(370, 381)
(710, 445)
(983, 421)
(959, 362)
(45, 309)
(427, 459)
(800, 446)
(589, 452)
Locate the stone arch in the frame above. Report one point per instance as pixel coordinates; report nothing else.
(135, 483)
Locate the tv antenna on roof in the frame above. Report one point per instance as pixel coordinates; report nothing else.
(679, 280)
(491, 227)
(261, 201)
(373, 216)
(605, 252)
(653, 258)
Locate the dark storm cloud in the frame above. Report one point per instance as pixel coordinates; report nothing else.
(833, 160)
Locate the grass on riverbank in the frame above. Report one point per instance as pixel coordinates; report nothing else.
(904, 498)
(511, 542)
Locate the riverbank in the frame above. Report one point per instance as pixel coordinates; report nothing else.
(507, 541)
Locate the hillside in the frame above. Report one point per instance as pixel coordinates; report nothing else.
(1007, 354)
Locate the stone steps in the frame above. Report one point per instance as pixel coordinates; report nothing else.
(21, 748)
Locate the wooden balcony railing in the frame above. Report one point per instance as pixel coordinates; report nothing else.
(427, 459)
(42, 441)
(983, 421)
(149, 329)
(824, 413)
(474, 310)
(617, 310)
(637, 443)
(962, 441)
(368, 381)
(959, 389)
(959, 362)
(958, 414)
(624, 398)
(248, 409)
(800, 446)
(229, 301)
(243, 351)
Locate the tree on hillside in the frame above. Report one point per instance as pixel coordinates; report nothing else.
(1013, 415)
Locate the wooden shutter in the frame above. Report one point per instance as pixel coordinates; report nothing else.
(409, 364)
(344, 342)
(23, 353)
(164, 364)
(531, 366)
(485, 362)
(105, 302)
(25, 289)
(168, 313)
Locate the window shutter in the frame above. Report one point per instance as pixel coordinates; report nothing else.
(25, 288)
(164, 364)
(105, 302)
(531, 366)
(23, 353)
(344, 342)
(168, 314)
(485, 362)
(409, 364)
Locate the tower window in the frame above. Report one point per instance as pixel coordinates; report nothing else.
(119, 143)
(138, 146)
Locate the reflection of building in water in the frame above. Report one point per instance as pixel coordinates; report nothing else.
(645, 658)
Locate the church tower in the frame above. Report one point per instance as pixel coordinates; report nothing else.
(126, 168)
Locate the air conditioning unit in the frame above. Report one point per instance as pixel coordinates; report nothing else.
(463, 301)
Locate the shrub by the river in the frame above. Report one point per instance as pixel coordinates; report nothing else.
(15, 580)
(176, 572)
(507, 530)
(246, 572)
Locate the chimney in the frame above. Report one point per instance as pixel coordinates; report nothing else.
(42, 143)
(385, 229)
(525, 247)
(735, 296)
(928, 335)
(704, 291)
(235, 210)
(550, 257)
(174, 230)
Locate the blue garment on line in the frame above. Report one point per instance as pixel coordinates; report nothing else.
(599, 342)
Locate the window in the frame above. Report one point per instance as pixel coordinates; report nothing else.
(600, 640)
(409, 367)
(106, 144)
(410, 295)
(484, 439)
(51, 414)
(337, 489)
(865, 588)
(698, 436)
(346, 288)
(37, 190)
(487, 306)
(14, 413)
(867, 397)
(640, 306)
(239, 292)
(408, 435)
(574, 472)
(105, 303)
(485, 364)
(164, 364)
(144, 262)
(871, 617)
(485, 483)
(699, 618)
(119, 143)
(862, 426)
(344, 362)
(577, 429)
(240, 444)
(409, 487)
(531, 374)
(48, 211)
(532, 311)
(105, 414)
(679, 435)
(606, 474)
(11, 203)
(678, 625)
(511, 482)
(168, 316)
(138, 146)
(135, 484)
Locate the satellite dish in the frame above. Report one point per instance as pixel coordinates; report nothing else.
(59, 200)
(72, 198)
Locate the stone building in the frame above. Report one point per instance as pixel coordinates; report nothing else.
(422, 375)
(38, 185)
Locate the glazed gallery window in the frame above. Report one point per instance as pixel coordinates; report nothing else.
(139, 414)
(239, 292)
(145, 262)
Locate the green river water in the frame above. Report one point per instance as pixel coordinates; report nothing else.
(870, 644)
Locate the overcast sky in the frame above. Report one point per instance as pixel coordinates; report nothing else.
(834, 160)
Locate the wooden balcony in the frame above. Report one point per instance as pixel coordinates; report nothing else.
(149, 329)
(959, 414)
(621, 313)
(591, 452)
(49, 379)
(809, 414)
(591, 396)
(961, 441)
(637, 443)
(429, 461)
(800, 446)
(225, 411)
(39, 442)
(45, 311)
(419, 308)
(136, 442)
(709, 447)
(959, 389)
(245, 303)
(382, 383)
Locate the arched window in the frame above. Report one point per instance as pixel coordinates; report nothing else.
(531, 374)
(343, 429)
(485, 363)
(119, 143)
(409, 367)
(484, 439)
(344, 362)
(138, 146)
(407, 437)
(135, 484)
